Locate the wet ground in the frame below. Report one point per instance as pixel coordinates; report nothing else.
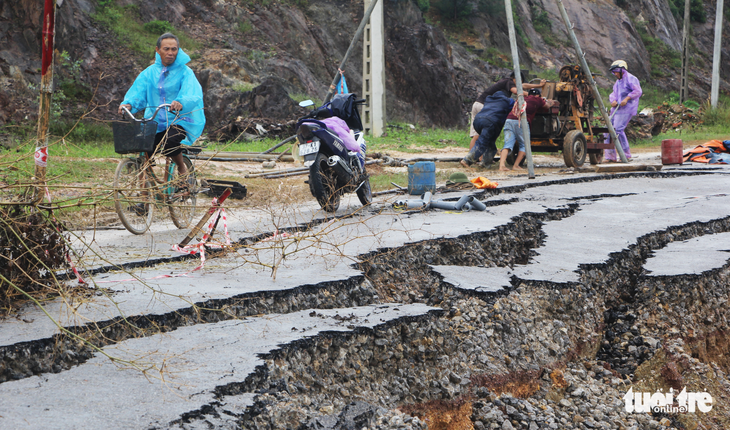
(306, 313)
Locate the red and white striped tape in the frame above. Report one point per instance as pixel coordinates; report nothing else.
(198, 248)
(68, 255)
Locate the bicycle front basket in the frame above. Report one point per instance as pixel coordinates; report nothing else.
(135, 136)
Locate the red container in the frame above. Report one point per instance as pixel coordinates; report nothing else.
(672, 151)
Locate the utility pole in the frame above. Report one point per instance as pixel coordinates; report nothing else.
(353, 42)
(518, 82)
(373, 72)
(684, 85)
(591, 81)
(717, 53)
(48, 34)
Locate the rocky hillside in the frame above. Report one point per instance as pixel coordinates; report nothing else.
(253, 56)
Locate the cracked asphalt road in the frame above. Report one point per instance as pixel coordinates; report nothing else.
(187, 363)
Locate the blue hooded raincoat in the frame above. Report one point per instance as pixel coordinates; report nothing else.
(158, 84)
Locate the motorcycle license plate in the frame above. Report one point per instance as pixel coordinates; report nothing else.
(308, 148)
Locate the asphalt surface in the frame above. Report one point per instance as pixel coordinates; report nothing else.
(187, 364)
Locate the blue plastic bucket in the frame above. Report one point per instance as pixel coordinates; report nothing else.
(421, 177)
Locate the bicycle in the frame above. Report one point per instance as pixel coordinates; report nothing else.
(138, 188)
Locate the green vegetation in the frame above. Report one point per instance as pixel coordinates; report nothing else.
(518, 28)
(298, 3)
(244, 146)
(541, 23)
(404, 138)
(697, 135)
(496, 58)
(158, 27)
(547, 74)
(383, 180)
(255, 55)
(696, 11)
(453, 14)
(720, 116)
(491, 7)
(245, 26)
(661, 55)
(452, 10)
(141, 38)
(654, 96)
(69, 79)
(244, 87)
(249, 3)
(87, 132)
(70, 163)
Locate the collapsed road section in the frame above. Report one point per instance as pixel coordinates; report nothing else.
(538, 313)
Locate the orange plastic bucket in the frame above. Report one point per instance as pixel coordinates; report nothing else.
(672, 151)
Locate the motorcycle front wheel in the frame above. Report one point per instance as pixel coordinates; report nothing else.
(323, 184)
(364, 193)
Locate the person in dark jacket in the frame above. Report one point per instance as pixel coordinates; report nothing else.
(488, 123)
(508, 86)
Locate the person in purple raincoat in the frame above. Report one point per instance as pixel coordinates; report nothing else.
(625, 103)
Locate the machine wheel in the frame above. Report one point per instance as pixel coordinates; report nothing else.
(323, 184)
(596, 158)
(364, 193)
(511, 157)
(574, 149)
(132, 197)
(182, 203)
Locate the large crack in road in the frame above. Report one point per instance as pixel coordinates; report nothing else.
(530, 355)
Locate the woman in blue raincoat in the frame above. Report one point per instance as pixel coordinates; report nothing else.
(169, 80)
(624, 105)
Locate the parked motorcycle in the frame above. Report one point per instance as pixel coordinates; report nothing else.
(336, 165)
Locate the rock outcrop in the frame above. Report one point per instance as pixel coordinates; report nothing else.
(431, 78)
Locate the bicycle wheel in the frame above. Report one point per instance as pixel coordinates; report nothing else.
(132, 201)
(183, 200)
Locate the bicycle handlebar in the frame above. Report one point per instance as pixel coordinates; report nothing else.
(162, 106)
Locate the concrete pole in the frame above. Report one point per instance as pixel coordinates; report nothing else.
(592, 82)
(355, 38)
(518, 82)
(373, 72)
(715, 91)
(48, 35)
(683, 84)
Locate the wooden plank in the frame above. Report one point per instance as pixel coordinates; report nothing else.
(627, 167)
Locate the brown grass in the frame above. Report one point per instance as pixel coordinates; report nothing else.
(32, 245)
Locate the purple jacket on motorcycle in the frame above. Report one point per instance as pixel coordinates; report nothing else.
(339, 126)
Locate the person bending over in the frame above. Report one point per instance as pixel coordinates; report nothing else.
(509, 87)
(513, 131)
(488, 123)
